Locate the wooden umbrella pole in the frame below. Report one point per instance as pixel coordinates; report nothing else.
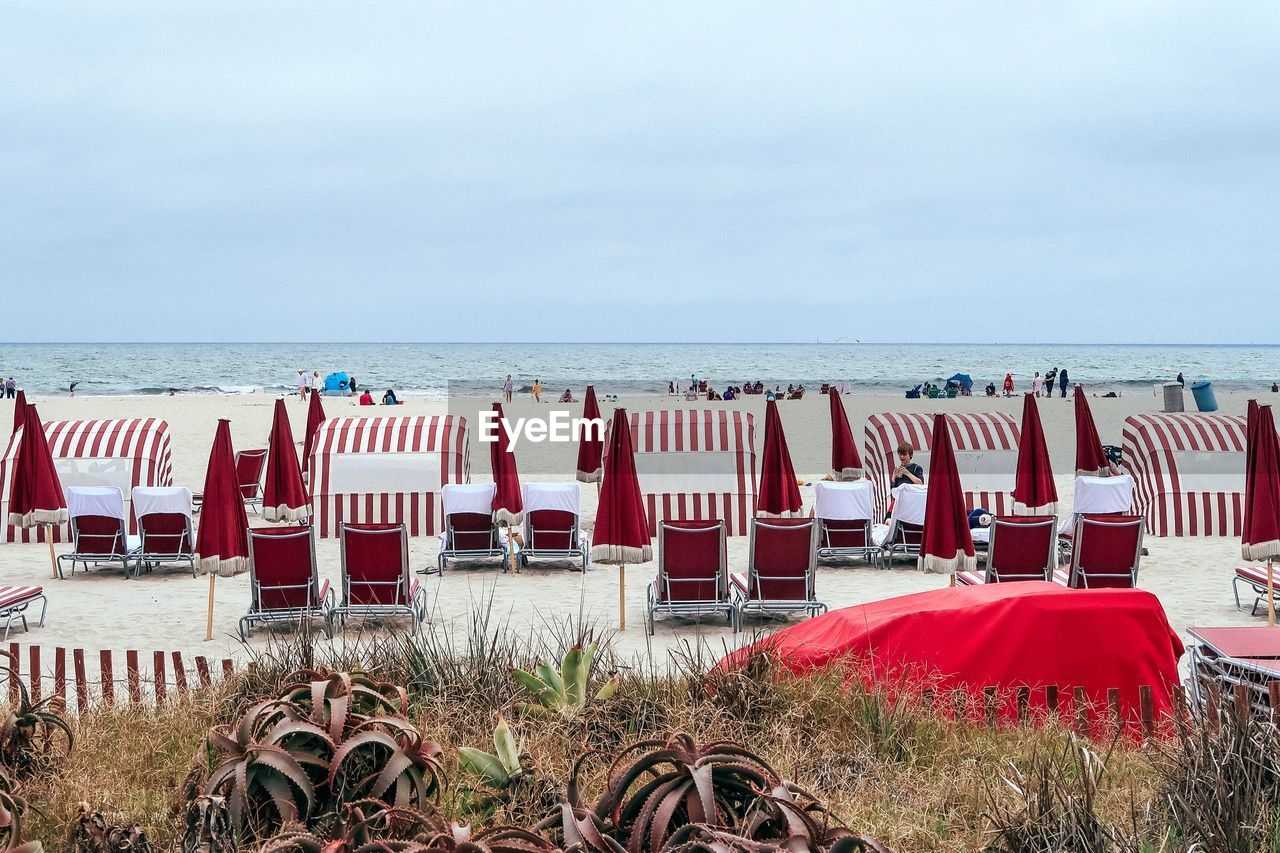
(622, 597)
(208, 627)
(53, 560)
(1271, 595)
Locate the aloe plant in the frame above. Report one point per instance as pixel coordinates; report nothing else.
(12, 807)
(92, 833)
(565, 691)
(499, 769)
(29, 733)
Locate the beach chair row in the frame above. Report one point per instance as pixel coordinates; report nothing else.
(551, 528)
(100, 529)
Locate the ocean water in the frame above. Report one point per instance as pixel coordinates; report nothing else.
(438, 369)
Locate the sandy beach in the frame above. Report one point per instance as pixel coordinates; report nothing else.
(164, 610)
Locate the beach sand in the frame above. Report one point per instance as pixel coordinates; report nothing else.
(165, 610)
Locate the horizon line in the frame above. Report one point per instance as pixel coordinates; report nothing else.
(655, 343)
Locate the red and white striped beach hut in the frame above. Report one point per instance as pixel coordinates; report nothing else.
(1188, 472)
(986, 451)
(119, 452)
(696, 464)
(392, 469)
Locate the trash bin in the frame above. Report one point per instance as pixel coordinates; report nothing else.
(1203, 393)
(1172, 397)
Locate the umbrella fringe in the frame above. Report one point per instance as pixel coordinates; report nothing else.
(38, 516)
(284, 512)
(224, 567)
(1263, 551)
(507, 517)
(590, 476)
(961, 562)
(845, 475)
(1019, 508)
(621, 554)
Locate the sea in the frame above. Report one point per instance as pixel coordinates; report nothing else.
(442, 369)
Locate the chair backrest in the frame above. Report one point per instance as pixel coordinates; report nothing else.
(283, 563)
(843, 501)
(1022, 548)
(1105, 551)
(165, 533)
(692, 561)
(375, 564)
(249, 467)
(844, 533)
(551, 529)
(782, 559)
(470, 531)
(97, 521)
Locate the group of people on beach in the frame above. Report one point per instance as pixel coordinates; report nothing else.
(315, 384)
(1041, 386)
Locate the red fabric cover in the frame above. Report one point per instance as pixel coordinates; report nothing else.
(946, 545)
(781, 551)
(284, 475)
(35, 496)
(282, 557)
(164, 533)
(376, 553)
(846, 533)
(551, 530)
(1260, 532)
(1091, 460)
(19, 410)
(249, 465)
(1105, 551)
(621, 533)
(844, 452)
(99, 534)
(315, 417)
(692, 560)
(1030, 634)
(473, 531)
(591, 443)
(778, 493)
(508, 502)
(1033, 487)
(1022, 547)
(222, 540)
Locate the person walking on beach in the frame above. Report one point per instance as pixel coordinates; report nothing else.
(1049, 376)
(537, 390)
(1008, 384)
(302, 384)
(508, 388)
(317, 384)
(1063, 381)
(1037, 384)
(10, 388)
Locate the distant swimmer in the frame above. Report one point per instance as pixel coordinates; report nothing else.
(72, 389)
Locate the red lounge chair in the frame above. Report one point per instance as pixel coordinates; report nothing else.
(1021, 548)
(164, 526)
(843, 512)
(1255, 577)
(692, 577)
(285, 586)
(376, 580)
(469, 532)
(905, 530)
(250, 465)
(14, 601)
(98, 531)
(551, 524)
(1105, 553)
(780, 569)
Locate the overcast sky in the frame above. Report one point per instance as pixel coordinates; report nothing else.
(680, 171)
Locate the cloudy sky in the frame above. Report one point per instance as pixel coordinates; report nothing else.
(733, 171)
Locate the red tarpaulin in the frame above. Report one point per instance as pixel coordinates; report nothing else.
(315, 417)
(36, 494)
(1091, 459)
(1034, 492)
(621, 532)
(1260, 534)
(508, 503)
(590, 441)
(846, 464)
(284, 498)
(1008, 635)
(778, 493)
(946, 545)
(222, 539)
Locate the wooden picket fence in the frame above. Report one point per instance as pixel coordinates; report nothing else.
(137, 688)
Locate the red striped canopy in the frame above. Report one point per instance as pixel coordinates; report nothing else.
(35, 494)
(508, 502)
(946, 545)
(985, 445)
(846, 464)
(386, 469)
(113, 452)
(1188, 472)
(1034, 492)
(284, 498)
(779, 494)
(590, 442)
(695, 465)
(1091, 459)
(1260, 537)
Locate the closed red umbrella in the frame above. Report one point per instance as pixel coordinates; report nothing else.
(777, 494)
(1260, 532)
(222, 539)
(284, 498)
(1034, 492)
(1250, 424)
(591, 442)
(945, 546)
(35, 496)
(315, 417)
(621, 532)
(508, 503)
(846, 464)
(1091, 459)
(19, 410)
